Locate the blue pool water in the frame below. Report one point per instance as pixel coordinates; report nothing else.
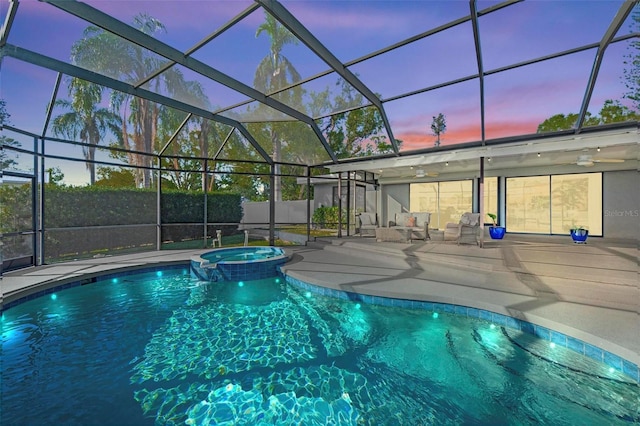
(153, 349)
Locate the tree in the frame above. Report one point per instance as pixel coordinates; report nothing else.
(115, 178)
(611, 112)
(5, 162)
(85, 119)
(274, 72)
(631, 74)
(559, 122)
(355, 133)
(438, 127)
(55, 176)
(615, 112)
(118, 58)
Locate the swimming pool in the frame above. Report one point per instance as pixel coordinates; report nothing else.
(167, 349)
(238, 263)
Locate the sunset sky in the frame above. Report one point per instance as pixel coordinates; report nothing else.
(516, 101)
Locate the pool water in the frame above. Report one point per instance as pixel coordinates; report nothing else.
(149, 350)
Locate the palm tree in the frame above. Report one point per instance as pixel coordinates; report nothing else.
(273, 73)
(116, 57)
(85, 119)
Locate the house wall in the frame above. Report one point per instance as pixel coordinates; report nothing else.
(621, 204)
(620, 200)
(395, 199)
(620, 215)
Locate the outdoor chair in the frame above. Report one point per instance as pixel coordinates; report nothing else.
(465, 231)
(367, 224)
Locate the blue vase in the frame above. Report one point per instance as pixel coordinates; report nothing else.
(579, 236)
(496, 232)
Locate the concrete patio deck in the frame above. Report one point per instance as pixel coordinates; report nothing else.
(590, 292)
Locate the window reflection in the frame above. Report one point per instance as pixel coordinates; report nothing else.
(446, 201)
(554, 204)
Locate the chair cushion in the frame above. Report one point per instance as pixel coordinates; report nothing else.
(401, 219)
(473, 219)
(422, 219)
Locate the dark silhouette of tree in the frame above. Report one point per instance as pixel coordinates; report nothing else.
(631, 73)
(85, 119)
(5, 162)
(274, 72)
(118, 58)
(438, 127)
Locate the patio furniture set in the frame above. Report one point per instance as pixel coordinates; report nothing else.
(409, 226)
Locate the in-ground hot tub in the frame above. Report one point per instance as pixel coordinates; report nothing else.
(238, 263)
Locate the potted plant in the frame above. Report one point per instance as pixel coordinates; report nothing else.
(496, 232)
(579, 234)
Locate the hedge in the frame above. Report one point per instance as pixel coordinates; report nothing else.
(80, 207)
(96, 206)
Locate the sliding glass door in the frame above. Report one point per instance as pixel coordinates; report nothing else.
(553, 204)
(446, 201)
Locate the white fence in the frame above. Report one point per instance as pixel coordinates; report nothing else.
(256, 214)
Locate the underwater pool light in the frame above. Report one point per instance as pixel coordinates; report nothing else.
(54, 296)
(240, 284)
(159, 273)
(435, 315)
(357, 306)
(307, 294)
(492, 326)
(611, 369)
(115, 281)
(552, 345)
(277, 280)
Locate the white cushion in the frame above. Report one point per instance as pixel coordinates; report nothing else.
(422, 218)
(471, 219)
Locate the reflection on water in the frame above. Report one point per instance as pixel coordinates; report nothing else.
(171, 350)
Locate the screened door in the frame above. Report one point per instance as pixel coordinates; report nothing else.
(17, 224)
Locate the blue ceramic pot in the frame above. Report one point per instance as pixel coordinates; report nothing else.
(579, 236)
(496, 232)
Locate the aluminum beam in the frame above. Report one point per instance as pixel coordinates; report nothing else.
(617, 22)
(476, 39)
(303, 34)
(8, 21)
(131, 34)
(74, 71)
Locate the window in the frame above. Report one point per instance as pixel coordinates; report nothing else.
(446, 201)
(553, 204)
(528, 204)
(576, 200)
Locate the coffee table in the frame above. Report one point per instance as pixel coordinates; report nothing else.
(394, 234)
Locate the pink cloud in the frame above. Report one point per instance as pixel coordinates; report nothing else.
(467, 133)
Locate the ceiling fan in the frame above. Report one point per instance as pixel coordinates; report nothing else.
(420, 173)
(586, 160)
